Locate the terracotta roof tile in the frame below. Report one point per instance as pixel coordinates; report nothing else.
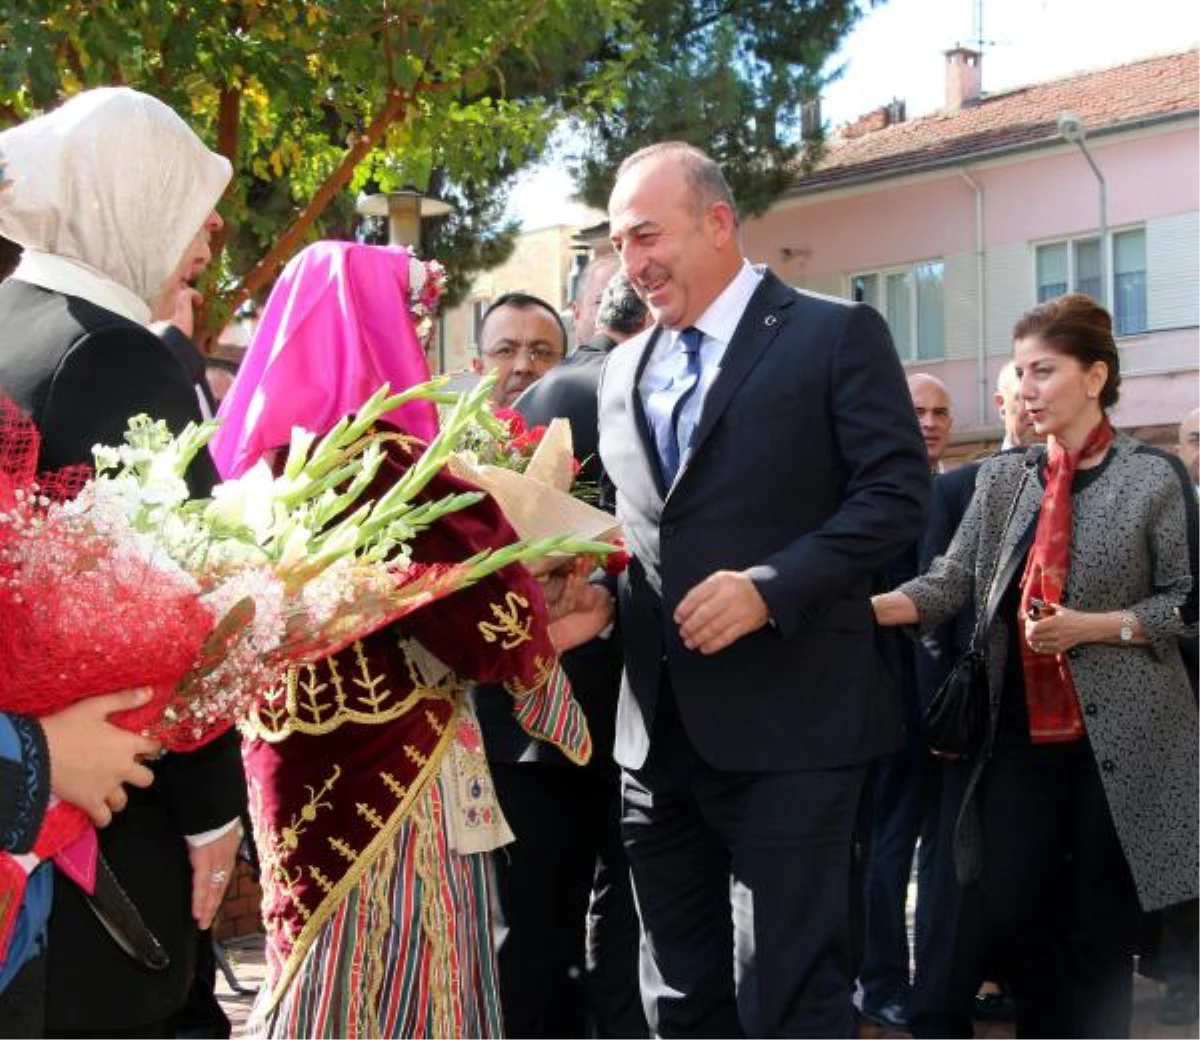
(1104, 99)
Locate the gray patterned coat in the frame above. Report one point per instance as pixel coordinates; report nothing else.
(1132, 548)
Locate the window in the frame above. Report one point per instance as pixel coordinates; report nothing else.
(911, 301)
(1129, 282)
(478, 310)
(1075, 266)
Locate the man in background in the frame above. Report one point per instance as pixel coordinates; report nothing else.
(585, 305)
(904, 783)
(522, 338)
(567, 929)
(569, 390)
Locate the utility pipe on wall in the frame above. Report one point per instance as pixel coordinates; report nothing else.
(984, 397)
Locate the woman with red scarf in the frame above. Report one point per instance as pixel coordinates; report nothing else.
(1083, 802)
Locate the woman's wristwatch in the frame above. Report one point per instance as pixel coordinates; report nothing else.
(1128, 626)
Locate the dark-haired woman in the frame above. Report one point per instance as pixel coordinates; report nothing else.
(1084, 800)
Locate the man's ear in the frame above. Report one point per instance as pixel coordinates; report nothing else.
(721, 223)
(477, 365)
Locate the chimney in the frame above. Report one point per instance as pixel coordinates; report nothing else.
(964, 77)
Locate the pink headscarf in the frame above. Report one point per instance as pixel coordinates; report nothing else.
(337, 325)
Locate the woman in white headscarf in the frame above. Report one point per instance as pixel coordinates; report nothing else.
(112, 202)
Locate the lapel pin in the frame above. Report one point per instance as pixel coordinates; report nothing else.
(770, 321)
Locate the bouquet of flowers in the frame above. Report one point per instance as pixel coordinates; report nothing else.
(533, 474)
(121, 580)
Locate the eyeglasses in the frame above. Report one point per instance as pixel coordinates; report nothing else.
(537, 355)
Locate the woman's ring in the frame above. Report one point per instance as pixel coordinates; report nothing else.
(217, 878)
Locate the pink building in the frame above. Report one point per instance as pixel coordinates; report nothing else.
(953, 224)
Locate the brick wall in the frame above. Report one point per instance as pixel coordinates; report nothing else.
(240, 913)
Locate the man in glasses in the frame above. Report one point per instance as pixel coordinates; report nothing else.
(522, 338)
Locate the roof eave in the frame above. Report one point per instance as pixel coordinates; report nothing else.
(984, 155)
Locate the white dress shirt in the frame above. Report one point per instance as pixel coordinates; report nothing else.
(668, 362)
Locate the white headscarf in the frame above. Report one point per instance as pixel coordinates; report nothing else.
(109, 189)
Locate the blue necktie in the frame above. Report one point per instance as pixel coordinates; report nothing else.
(668, 405)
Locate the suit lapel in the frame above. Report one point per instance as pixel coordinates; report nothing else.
(649, 448)
(762, 321)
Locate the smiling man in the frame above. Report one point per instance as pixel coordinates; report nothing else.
(767, 463)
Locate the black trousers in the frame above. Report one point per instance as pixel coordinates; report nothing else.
(904, 788)
(566, 930)
(23, 1002)
(1058, 895)
(950, 961)
(743, 886)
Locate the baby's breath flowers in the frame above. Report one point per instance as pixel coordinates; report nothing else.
(279, 566)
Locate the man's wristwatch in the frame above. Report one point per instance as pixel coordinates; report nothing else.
(1128, 624)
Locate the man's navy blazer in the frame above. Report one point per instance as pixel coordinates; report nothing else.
(808, 472)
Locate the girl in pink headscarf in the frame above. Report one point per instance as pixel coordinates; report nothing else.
(372, 804)
(337, 326)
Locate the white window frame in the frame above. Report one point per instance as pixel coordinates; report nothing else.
(911, 355)
(1108, 267)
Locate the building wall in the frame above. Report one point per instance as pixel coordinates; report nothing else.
(1151, 177)
(541, 265)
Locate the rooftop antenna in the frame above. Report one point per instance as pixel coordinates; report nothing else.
(977, 40)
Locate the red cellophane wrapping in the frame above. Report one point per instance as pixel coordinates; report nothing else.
(79, 614)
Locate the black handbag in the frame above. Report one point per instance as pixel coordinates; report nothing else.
(956, 719)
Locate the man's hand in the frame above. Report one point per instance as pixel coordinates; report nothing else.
(212, 867)
(592, 614)
(179, 309)
(565, 584)
(91, 759)
(719, 611)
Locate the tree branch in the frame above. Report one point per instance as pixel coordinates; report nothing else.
(266, 269)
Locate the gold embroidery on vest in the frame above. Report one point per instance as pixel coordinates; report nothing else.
(302, 938)
(323, 883)
(368, 814)
(508, 627)
(343, 850)
(543, 668)
(393, 785)
(314, 699)
(290, 834)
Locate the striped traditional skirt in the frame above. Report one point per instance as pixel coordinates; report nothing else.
(408, 952)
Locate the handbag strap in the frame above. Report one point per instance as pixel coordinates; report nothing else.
(984, 621)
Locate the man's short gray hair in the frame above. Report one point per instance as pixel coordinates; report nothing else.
(621, 308)
(706, 183)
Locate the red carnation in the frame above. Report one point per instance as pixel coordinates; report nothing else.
(617, 560)
(515, 421)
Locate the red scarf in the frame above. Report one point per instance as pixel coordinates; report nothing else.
(1050, 698)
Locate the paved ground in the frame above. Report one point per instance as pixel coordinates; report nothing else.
(246, 962)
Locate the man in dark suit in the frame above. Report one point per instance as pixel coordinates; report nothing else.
(902, 784)
(567, 968)
(767, 462)
(75, 352)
